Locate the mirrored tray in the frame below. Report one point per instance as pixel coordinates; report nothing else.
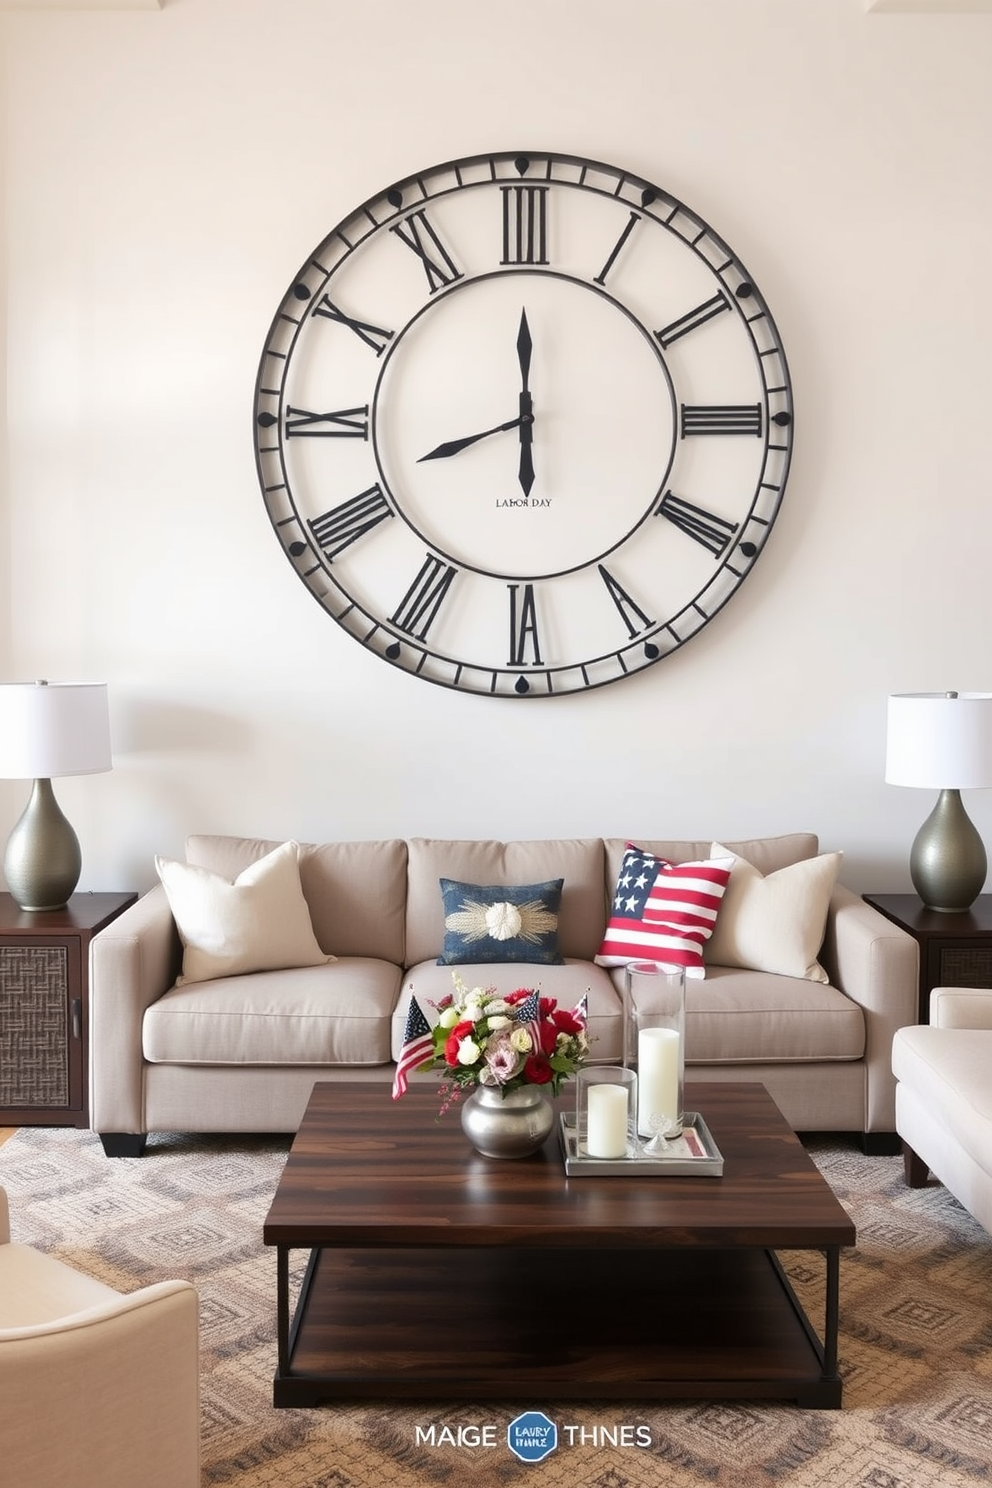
(693, 1153)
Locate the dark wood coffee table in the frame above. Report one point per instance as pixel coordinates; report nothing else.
(436, 1273)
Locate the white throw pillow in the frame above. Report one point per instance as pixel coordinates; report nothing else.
(260, 922)
(776, 923)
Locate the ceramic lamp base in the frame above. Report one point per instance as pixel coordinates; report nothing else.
(43, 861)
(948, 862)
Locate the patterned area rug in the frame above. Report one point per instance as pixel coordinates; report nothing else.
(916, 1340)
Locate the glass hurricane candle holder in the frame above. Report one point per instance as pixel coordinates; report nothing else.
(654, 1046)
(606, 1112)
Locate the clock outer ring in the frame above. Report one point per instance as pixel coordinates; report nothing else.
(370, 629)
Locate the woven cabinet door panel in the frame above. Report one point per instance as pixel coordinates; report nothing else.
(34, 1026)
(965, 966)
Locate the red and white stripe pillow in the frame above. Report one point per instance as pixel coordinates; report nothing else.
(663, 911)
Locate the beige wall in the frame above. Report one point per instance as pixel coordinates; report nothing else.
(166, 172)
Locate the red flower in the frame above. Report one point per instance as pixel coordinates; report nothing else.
(549, 1037)
(537, 1069)
(521, 994)
(548, 1005)
(454, 1038)
(566, 1022)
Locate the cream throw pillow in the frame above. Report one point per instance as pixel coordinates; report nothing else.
(260, 922)
(776, 923)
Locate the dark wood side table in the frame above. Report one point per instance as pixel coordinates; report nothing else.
(44, 1008)
(955, 949)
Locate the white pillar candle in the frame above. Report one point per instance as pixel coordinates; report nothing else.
(606, 1131)
(657, 1077)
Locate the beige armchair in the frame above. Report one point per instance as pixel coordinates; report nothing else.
(944, 1097)
(97, 1388)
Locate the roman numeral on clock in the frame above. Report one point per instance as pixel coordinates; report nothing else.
(375, 336)
(523, 626)
(417, 232)
(726, 418)
(626, 607)
(704, 527)
(525, 224)
(347, 423)
(338, 528)
(692, 319)
(417, 610)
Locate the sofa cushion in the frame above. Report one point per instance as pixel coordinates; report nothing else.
(338, 1013)
(500, 922)
(356, 891)
(775, 923)
(663, 911)
(258, 922)
(577, 861)
(747, 1017)
(568, 984)
(766, 853)
(947, 1069)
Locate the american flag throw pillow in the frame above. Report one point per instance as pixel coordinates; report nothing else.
(663, 911)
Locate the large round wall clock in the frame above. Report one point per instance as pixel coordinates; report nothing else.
(523, 424)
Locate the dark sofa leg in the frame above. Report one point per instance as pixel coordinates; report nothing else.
(916, 1170)
(880, 1144)
(123, 1144)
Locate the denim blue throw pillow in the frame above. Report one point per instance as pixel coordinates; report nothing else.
(500, 922)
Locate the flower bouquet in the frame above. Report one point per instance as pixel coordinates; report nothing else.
(481, 1038)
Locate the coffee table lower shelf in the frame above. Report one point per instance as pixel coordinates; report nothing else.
(486, 1323)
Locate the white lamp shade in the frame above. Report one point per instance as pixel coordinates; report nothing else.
(53, 728)
(940, 741)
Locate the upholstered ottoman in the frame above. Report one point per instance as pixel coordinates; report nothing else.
(944, 1097)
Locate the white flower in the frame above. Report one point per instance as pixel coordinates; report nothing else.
(497, 1006)
(449, 1017)
(468, 1051)
(498, 1022)
(521, 1041)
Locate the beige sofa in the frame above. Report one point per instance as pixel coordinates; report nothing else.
(944, 1097)
(242, 1053)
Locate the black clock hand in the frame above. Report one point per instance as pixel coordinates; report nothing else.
(526, 420)
(454, 446)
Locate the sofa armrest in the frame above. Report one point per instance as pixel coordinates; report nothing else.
(961, 1007)
(132, 963)
(876, 964)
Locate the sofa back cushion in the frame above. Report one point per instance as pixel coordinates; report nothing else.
(767, 854)
(578, 861)
(356, 891)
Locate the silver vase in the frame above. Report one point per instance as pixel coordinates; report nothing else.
(511, 1125)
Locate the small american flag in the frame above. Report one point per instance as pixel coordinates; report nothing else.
(529, 1015)
(418, 1047)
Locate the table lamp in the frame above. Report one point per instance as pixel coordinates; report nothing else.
(943, 741)
(49, 729)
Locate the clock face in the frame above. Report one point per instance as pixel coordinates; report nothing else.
(523, 424)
